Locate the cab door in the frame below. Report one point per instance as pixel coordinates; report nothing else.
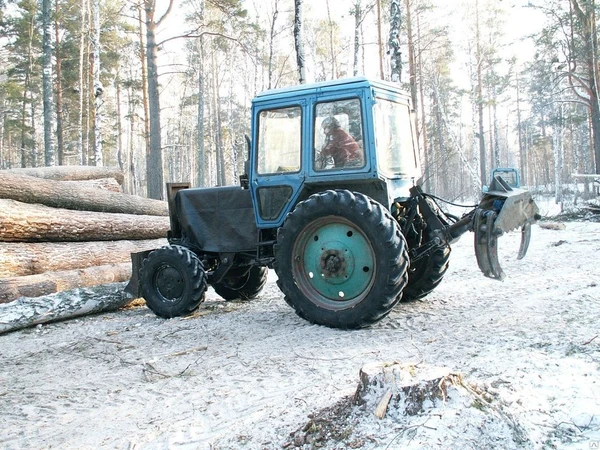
(340, 137)
(277, 174)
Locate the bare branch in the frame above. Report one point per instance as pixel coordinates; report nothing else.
(165, 14)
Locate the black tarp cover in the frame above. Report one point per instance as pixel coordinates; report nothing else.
(219, 219)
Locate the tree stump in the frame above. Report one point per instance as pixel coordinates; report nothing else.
(407, 387)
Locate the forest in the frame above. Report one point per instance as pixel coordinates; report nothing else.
(161, 89)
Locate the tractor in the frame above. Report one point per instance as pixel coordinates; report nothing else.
(508, 174)
(348, 230)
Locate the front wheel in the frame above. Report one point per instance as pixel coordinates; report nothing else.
(245, 287)
(341, 260)
(426, 273)
(173, 281)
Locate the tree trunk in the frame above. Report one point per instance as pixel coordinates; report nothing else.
(332, 49)
(412, 69)
(27, 312)
(23, 222)
(131, 185)
(4, 160)
(51, 282)
(154, 164)
(59, 90)
(394, 42)
(144, 94)
(49, 159)
(298, 41)
(119, 123)
(219, 151)
(82, 32)
(586, 16)
(380, 40)
(21, 259)
(443, 176)
(272, 45)
(558, 153)
(98, 89)
(522, 159)
(422, 131)
(479, 62)
(201, 157)
(357, 21)
(27, 142)
(496, 148)
(72, 196)
(70, 173)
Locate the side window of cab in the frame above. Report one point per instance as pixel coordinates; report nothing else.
(338, 136)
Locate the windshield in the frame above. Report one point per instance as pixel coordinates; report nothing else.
(394, 138)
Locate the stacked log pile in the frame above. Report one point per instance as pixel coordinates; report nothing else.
(70, 227)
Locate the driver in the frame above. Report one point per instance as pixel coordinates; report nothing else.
(339, 145)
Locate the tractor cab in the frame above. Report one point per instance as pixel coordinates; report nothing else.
(510, 176)
(354, 133)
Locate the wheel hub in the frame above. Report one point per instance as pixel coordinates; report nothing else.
(169, 283)
(336, 261)
(333, 263)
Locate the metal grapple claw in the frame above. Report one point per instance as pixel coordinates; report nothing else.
(525, 238)
(502, 209)
(486, 244)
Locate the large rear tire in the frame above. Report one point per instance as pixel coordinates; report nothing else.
(244, 287)
(341, 260)
(173, 281)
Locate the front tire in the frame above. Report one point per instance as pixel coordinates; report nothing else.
(426, 274)
(341, 260)
(173, 281)
(244, 287)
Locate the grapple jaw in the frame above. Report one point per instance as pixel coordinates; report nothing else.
(502, 209)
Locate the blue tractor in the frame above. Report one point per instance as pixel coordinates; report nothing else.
(510, 176)
(330, 199)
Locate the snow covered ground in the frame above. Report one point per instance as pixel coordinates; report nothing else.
(255, 376)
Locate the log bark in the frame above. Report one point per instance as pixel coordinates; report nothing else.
(72, 173)
(57, 194)
(26, 312)
(19, 259)
(51, 282)
(23, 222)
(108, 184)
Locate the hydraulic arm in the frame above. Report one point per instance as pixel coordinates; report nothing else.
(502, 209)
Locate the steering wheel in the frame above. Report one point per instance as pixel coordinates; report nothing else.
(323, 161)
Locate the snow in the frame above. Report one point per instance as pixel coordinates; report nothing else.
(251, 375)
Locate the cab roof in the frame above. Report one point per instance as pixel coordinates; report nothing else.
(329, 86)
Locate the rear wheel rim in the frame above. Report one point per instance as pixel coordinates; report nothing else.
(334, 263)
